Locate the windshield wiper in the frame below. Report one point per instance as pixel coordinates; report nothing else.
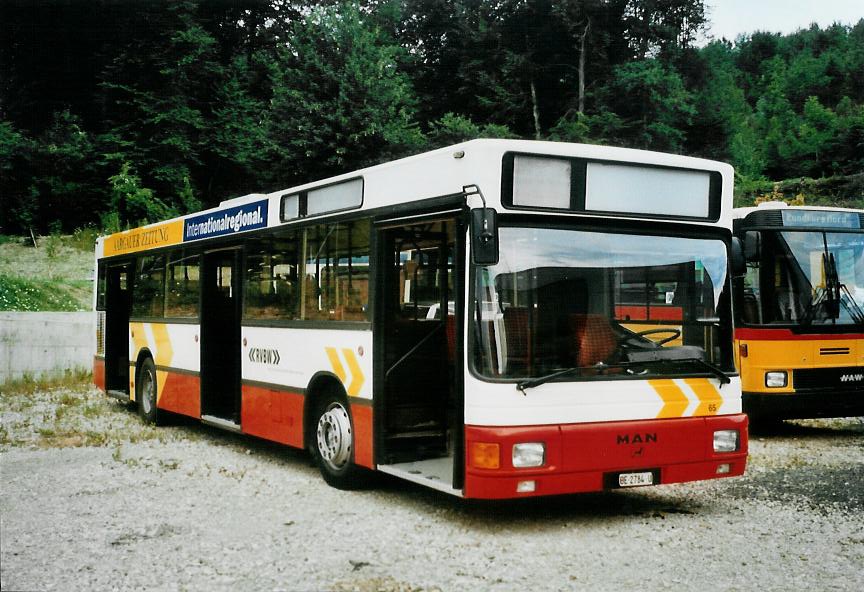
(532, 382)
(711, 368)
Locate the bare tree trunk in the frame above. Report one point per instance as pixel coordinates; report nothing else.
(582, 41)
(536, 109)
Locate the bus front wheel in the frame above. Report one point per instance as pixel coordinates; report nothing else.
(333, 443)
(145, 391)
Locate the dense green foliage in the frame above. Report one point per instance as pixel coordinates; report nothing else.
(112, 113)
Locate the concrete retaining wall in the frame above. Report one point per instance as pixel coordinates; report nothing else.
(40, 343)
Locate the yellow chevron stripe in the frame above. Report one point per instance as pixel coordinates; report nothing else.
(139, 341)
(335, 363)
(710, 398)
(164, 355)
(675, 402)
(357, 378)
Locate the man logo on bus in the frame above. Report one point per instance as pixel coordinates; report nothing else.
(852, 378)
(646, 438)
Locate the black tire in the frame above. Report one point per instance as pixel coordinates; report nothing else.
(146, 387)
(331, 441)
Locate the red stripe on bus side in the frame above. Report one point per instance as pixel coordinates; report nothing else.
(275, 415)
(748, 334)
(181, 394)
(99, 373)
(362, 415)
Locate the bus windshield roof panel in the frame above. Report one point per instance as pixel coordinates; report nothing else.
(612, 187)
(632, 189)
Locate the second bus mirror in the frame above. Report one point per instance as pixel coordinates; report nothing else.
(751, 246)
(484, 236)
(739, 265)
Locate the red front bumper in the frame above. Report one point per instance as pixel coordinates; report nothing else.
(587, 457)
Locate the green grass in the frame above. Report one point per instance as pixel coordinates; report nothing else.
(67, 411)
(55, 276)
(79, 379)
(38, 295)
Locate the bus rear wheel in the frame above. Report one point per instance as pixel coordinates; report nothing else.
(333, 443)
(146, 391)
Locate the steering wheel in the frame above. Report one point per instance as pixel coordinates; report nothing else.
(674, 334)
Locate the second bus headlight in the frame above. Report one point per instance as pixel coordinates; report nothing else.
(726, 441)
(529, 454)
(776, 379)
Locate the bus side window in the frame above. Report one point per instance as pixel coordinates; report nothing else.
(182, 285)
(336, 278)
(148, 293)
(272, 279)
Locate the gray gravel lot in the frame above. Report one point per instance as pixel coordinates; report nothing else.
(94, 500)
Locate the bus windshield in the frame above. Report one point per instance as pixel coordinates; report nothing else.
(806, 278)
(598, 304)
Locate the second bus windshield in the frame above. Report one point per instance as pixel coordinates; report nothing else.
(793, 276)
(573, 299)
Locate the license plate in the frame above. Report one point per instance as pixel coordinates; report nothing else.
(634, 479)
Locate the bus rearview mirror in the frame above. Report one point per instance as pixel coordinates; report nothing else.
(739, 264)
(751, 246)
(484, 236)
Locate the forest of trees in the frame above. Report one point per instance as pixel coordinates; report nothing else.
(113, 112)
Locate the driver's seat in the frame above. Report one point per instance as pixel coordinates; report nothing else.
(595, 340)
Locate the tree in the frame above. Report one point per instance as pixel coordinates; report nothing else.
(651, 104)
(339, 98)
(660, 28)
(237, 143)
(721, 107)
(18, 200)
(452, 129)
(161, 99)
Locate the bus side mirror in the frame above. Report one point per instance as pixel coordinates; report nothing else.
(484, 236)
(739, 264)
(751, 246)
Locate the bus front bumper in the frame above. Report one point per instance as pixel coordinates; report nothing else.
(594, 456)
(804, 404)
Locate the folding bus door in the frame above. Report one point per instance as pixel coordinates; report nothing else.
(118, 303)
(417, 318)
(220, 337)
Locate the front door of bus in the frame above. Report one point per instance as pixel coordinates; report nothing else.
(416, 325)
(220, 335)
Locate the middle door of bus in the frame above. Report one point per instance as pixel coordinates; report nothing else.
(220, 335)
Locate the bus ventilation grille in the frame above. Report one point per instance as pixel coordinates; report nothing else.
(828, 379)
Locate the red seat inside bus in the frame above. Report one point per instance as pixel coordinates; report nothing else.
(594, 338)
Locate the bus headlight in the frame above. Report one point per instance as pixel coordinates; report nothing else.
(776, 379)
(726, 441)
(529, 454)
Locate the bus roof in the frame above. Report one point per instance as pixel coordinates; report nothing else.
(442, 172)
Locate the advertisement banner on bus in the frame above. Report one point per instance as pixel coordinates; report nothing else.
(228, 221)
(141, 239)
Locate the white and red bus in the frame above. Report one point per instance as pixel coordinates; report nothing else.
(470, 319)
(800, 311)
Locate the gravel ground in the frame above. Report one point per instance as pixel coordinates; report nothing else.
(92, 499)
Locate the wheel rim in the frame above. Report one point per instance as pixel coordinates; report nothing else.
(334, 436)
(147, 386)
